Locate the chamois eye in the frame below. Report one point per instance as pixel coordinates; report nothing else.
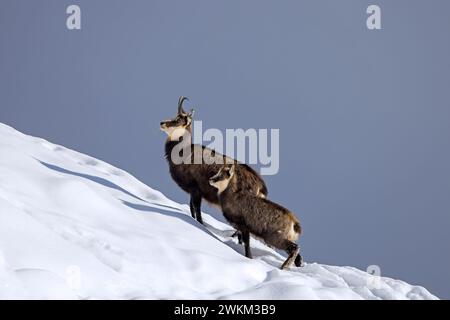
(182, 120)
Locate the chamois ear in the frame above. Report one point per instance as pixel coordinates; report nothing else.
(224, 164)
(189, 117)
(232, 169)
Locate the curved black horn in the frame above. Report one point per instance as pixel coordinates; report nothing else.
(180, 104)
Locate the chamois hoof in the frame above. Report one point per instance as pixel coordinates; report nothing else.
(284, 267)
(299, 261)
(237, 234)
(200, 220)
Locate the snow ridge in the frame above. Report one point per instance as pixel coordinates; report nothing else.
(74, 227)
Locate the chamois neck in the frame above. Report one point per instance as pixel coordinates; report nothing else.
(170, 144)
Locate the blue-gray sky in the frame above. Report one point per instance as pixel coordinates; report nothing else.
(364, 116)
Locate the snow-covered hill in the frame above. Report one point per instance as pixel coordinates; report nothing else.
(74, 227)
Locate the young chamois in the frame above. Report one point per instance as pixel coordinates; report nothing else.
(193, 176)
(277, 226)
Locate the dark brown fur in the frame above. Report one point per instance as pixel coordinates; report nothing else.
(194, 178)
(274, 224)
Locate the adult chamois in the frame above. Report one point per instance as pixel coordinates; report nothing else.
(277, 226)
(195, 164)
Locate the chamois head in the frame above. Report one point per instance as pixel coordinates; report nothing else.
(221, 179)
(176, 127)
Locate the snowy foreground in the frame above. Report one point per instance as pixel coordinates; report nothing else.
(73, 227)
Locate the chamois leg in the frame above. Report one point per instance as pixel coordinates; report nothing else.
(191, 205)
(246, 239)
(237, 234)
(196, 203)
(298, 260)
(292, 249)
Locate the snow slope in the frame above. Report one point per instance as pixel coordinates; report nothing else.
(74, 227)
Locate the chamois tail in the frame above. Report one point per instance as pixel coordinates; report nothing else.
(295, 230)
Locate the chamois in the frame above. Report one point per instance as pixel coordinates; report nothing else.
(277, 226)
(193, 178)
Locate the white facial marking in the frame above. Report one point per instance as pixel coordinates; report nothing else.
(221, 185)
(174, 133)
